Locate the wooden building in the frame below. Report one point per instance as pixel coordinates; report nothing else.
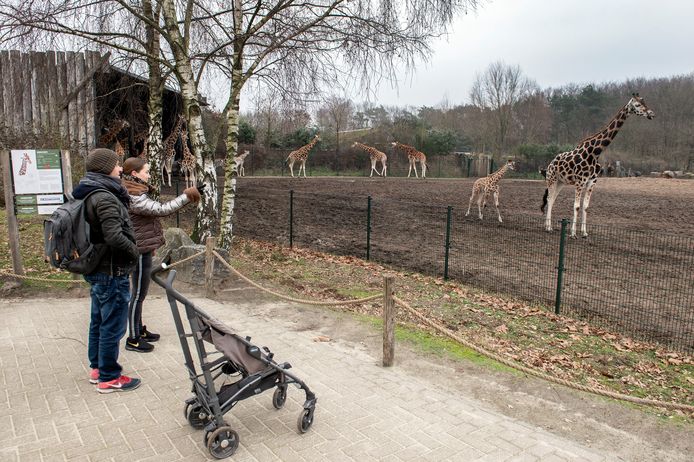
(76, 95)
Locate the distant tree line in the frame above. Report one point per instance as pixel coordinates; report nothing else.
(509, 115)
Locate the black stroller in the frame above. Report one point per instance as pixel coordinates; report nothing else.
(255, 369)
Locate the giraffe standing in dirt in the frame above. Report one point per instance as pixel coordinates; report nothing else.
(169, 148)
(239, 160)
(487, 185)
(413, 156)
(580, 168)
(301, 155)
(376, 156)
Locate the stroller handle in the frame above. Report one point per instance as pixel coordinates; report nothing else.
(164, 266)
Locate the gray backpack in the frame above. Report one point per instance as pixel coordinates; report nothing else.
(66, 238)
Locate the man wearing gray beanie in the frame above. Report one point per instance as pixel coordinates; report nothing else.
(106, 208)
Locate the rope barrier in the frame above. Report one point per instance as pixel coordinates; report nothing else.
(82, 281)
(33, 278)
(291, 299)
(542, 375)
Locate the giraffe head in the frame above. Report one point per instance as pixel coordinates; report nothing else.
(637, 106)
(511, 164)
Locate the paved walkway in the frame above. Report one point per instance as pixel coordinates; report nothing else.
(49, 412)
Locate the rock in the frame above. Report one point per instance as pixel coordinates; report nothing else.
(667, 174)
(179, 247)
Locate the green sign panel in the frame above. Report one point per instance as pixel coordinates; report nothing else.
(25, 199)
(48, 159)
(27, 210)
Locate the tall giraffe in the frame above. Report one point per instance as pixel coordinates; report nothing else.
(489, 185)
(413, 156)
(239, 160)
(169, 150)
(188, 161)
(375, 155)
(580, 168)
(112, 130)
(300, 155)
(26, 160)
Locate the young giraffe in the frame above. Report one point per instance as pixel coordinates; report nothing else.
(580, 168)
(375, 155)
(489, 185)
(188, 162)
(413, 156)
(26, 160)
(169, 148)
(239, 160)
(300, 155)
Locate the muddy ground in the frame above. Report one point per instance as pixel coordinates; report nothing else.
(633, 273)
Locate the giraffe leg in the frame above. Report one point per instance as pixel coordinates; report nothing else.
(554, 189)
(409, 171)
(586, 203)
(480, 200)
(303, 165)
(469, 203)
(373, 167)
(291, 167)
(496, 204)
(414, 166)
(383, 170)
(424, 169)
(577, 206)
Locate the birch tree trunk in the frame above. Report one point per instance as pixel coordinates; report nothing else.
(153, 142)
(206, 215)
(232, 141)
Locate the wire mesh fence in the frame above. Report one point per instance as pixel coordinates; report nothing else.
(637, 282)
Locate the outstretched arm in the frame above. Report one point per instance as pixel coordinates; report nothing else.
(144, 205)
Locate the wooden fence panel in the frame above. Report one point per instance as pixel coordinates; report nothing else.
(81, 100)
(62, 91)
(73, 132)
(52, 83)
(15, 73)
(32, 100)
(92, 58)
(7, 101)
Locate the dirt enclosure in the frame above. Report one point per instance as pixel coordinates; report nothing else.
(633, 273)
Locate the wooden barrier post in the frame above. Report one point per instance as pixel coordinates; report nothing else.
(388, 322)
(209, 267)
(12, 226)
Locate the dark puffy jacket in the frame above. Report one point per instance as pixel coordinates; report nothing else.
(110, 223)
(145, 213)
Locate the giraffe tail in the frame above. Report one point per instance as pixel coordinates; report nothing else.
(543, 172)
(544, 200)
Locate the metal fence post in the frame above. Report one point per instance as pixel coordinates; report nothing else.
(291, 218)
(448, 241)
(178, 218)
(560, 267)
(368, 228)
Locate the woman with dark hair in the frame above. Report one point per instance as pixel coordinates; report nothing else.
(144, 214)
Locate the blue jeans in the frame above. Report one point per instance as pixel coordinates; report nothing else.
(109, 320)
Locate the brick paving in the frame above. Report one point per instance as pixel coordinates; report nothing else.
(49, 411)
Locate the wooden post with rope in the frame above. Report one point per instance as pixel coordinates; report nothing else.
(209, 267)
(389, 311)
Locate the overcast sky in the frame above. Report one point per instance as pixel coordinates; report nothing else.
(555, 42)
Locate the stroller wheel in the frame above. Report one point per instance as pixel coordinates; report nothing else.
(196, 416)
(305, 420)
(279, 397)
(223, 442)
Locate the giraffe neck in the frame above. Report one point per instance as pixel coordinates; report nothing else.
(595, 144)
(498, 175)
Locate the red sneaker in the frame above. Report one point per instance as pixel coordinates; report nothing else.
(122, 383)
(94, 376)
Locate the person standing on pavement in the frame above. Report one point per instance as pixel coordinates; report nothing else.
(111, 231)
(145, 213)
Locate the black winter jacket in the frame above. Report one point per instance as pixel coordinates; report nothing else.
(109, 221)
